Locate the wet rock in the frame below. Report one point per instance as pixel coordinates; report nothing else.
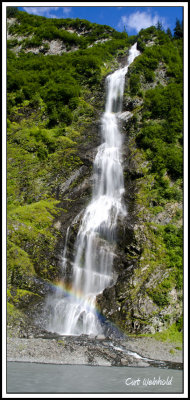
(125, 116)
(100, 337)
(124, 361)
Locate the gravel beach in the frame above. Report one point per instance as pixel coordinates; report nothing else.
(92, 351)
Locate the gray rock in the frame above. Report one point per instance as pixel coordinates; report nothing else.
(100, 337)
(125, 116)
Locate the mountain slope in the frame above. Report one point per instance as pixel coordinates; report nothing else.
(55, 97)
(148, 293)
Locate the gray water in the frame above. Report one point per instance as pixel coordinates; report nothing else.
(49, 378)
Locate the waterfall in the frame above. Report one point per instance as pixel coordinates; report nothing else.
(75, 313)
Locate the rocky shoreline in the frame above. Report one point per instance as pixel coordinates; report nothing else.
(99, 351)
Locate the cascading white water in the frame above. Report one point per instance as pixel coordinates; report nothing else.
(92, 267)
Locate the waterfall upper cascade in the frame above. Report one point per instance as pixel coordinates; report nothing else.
(92, 268)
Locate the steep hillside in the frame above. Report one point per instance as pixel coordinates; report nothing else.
(148, 293)
(55, 96)
(54, 103)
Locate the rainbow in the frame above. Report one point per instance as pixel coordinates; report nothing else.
(77, 295)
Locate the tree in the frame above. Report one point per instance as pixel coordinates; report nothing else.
(178, 30)
(11, 11)
(159, 26)
(169, 33)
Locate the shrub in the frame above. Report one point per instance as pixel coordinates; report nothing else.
(134, 84)
(149, 75)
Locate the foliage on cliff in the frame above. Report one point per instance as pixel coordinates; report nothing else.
(155, 85)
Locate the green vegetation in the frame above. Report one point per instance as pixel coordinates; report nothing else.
(58, 80)
(73, 32)
(61, 342)
(49, 108)
(12, 12)
(156, 77)
(178, 30)
(31, 241)
(171, 335)
(51, 102)
(14, 315)
(161, 133)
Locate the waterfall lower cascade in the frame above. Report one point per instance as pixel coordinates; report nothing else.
(76, 314)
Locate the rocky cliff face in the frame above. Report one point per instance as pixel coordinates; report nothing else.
(144, 297)
(139, 265)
